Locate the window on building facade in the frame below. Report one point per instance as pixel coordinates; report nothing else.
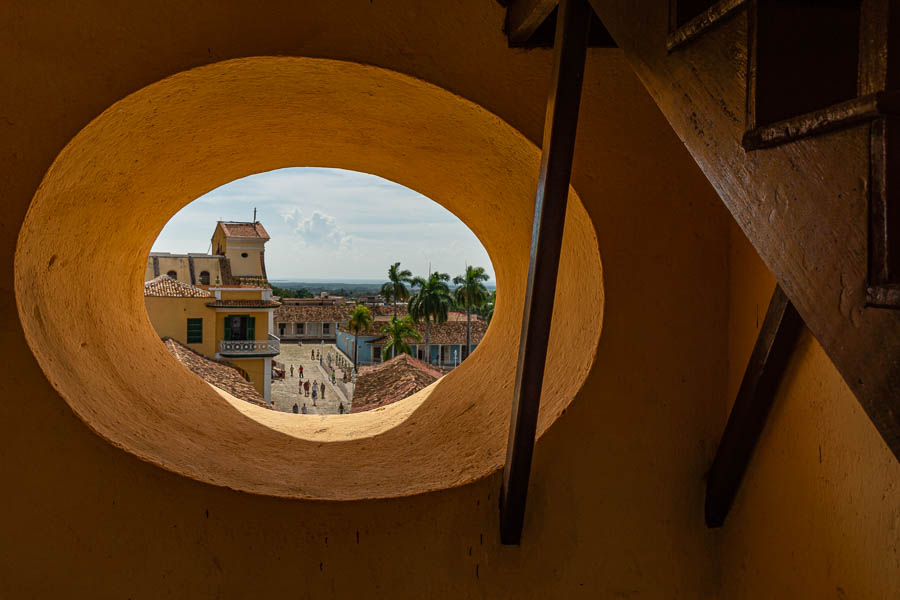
(281, 328)
(240, 327)
(172, 274)
(326, 328)
(195, 331)
(301, 328)
(204, 277)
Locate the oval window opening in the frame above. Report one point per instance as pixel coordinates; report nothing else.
(339, 292)
(87, 322)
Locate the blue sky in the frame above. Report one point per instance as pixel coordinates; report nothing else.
(331, 224)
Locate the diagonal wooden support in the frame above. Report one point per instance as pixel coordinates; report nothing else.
(523, 17)
(546, 241)
(774, 345)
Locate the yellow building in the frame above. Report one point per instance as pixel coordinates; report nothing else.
(219, 308)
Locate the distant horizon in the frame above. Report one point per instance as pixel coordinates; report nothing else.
(354, 280)
(326, 221)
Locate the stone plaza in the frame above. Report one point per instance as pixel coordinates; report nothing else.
(285, 391)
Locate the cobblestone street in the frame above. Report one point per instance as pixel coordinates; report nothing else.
(284, 391)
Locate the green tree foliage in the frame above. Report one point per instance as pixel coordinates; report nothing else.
(470, 294)
(398, 331)
(360, 319)
(430, 302)
(394, 289)
(486, 310)
(289, 293)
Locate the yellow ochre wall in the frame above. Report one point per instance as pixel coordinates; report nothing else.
(250, 266)
(180, 265)
(241, 294)
(169, 318)
(616, 500)
(256, 371)
(818, 515)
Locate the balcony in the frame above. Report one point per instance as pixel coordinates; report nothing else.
(250, 348)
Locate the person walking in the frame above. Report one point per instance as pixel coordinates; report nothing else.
(303, 408)
(341, 408)
(294, 408)
(314, 396)
(306, 387)
(323, 390)
(292, 370)
(301, 371)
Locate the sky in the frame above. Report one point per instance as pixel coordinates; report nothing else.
(331, 225)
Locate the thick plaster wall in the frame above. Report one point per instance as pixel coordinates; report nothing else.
(818, 514)
(615, 507)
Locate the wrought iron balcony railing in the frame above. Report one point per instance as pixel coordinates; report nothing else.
(269, 347)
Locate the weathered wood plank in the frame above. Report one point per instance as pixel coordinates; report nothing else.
(546, 241)
(803, 206)
(774, 345)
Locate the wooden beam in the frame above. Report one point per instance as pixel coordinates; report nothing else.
(558, 146)
(523, 17)
(774, 345)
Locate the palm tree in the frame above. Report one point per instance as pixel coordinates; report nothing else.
(431, 302)
(486, 310)
(360, 319)
(387, 292)
(398, 331)
(395, 289)
(470, 293)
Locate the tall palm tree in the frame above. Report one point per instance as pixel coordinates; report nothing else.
(486, 310)
(471, 293)
(430, 302)
(398, 331)
(395, 288)
(360, 319)
(387, 292)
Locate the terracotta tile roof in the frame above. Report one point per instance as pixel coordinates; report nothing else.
(390, 381)
(243, 230)
(217, 373)
(243, 304)
(166, 287)
(388, 311)
(329, 313)
(451, 332)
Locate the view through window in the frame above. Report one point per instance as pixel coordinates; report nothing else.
(318, 291)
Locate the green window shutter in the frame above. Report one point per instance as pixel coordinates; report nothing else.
(227, 327)
(251, 328)
(195, 331)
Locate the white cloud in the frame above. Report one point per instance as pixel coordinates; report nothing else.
(317, 230)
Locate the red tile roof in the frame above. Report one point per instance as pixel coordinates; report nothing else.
(243, 304)
(166, 287)
(451, 332)
(329, 313)
(391, 381)
(217, 373)
(235, 229)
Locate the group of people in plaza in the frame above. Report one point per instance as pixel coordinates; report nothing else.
(315, 389)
